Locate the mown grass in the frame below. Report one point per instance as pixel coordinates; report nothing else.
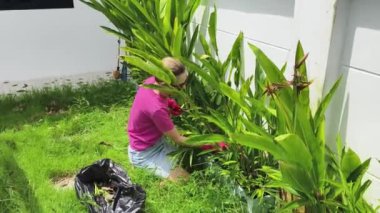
(55, 132)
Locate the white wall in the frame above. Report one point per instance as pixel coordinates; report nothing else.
(313, 27)
(356, 112)
(262, 21)
(55, 42)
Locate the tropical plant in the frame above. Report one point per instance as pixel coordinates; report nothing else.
(349, 181)
(320, 180)
(277, 145)
(163, 31)
(151, 29)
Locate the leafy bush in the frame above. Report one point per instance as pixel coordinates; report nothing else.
(150, 29)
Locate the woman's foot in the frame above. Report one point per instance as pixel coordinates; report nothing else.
(178, 174)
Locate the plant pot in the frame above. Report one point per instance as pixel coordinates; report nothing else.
(116, 74)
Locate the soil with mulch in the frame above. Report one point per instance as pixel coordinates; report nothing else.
(63, 182)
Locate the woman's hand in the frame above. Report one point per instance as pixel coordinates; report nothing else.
(179, 139)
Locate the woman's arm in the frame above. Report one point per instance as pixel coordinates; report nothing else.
(164, 123)
(177, 138)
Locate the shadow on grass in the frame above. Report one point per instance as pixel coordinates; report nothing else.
(29, 107)
(16, 194)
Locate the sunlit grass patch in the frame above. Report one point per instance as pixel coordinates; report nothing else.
(18, 109)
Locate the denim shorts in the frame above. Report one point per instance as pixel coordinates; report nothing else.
(154, 158)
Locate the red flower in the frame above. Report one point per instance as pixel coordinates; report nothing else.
(207, 147)
(221, 146)
(174, 108)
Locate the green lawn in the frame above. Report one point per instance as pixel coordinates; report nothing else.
(53, 133)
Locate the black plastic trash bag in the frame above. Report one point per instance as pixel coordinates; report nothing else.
(104, 178)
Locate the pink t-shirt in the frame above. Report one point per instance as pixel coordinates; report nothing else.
(149, 118)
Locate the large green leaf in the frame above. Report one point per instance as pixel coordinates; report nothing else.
(300, 64)
(350, 161)
(359, 172)
(177, 39)
(298, 178)
(252, 127)
(235, 59)
(165, 89)
(293, 205)
(303, 125)
(259, 80)
(235, 96)
(161, 8)
(180, 10)
(301, 96)
(274, 75)
(191, 9)
(115, 32)
(206, 62)
(205, 46)
(156, 61)
(144, 13)
(295, 151)
(149, 68)
(212, 30)
(121, 9)
(360, 192)
(220, 121)
(259, 142)
(283, 68)
(205, 139)
(194, 38)
(193, 67)
(321, 135)
(284, 115)
(117, 13)
(143, 39)
(168, 17)
(245, 89)
(320, 113)
(258, 106)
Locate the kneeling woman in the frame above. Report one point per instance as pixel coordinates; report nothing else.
(149, 123)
